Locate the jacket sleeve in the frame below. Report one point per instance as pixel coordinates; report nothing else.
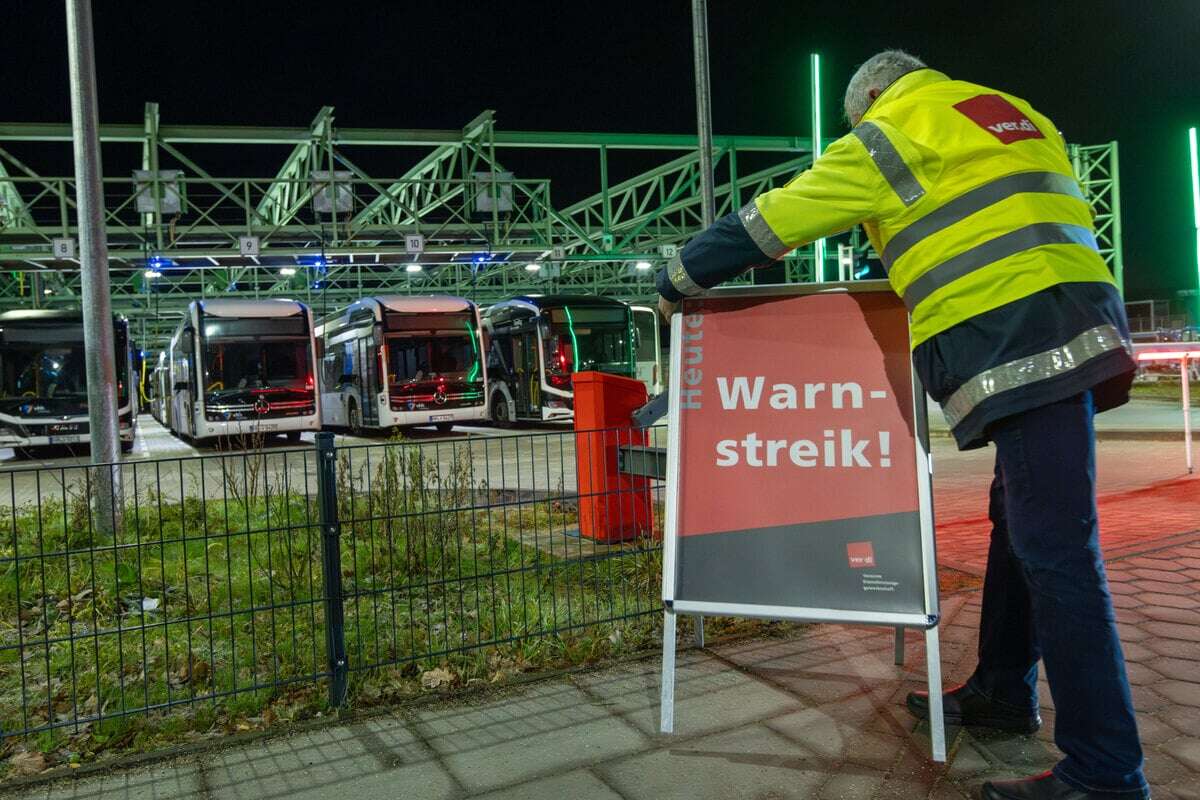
(842, 189)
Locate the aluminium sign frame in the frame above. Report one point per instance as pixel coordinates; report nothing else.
(674, 604)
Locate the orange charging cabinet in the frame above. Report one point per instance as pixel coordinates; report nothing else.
(612, 507)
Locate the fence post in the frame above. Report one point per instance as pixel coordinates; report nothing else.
(331, 568)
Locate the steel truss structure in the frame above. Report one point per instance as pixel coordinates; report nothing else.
(1098, 170)
(327, 229)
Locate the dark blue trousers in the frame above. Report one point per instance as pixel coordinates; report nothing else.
(1046, 597)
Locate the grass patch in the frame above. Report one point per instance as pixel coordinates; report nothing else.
(205, 616)
(1167, 388)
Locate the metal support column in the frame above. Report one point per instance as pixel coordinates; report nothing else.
(1186, 390)
(708, 202)
(331, 570)
(605, 200)
(98, 338)
(1118, 260)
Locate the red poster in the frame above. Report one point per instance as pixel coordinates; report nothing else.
(806, 397)
(798, 480)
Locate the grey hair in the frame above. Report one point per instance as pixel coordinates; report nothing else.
(877, 72)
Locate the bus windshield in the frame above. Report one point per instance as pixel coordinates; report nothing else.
(589, 339)
(43, 373)
(51, 371)
(446, 355)
(239, 366)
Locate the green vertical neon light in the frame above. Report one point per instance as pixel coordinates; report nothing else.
(819, 244)
(1196, 210)
(574, 341)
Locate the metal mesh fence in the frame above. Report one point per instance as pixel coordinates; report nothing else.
(238, 574)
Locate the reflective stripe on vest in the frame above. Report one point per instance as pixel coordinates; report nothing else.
(889, 162)
(683, 283)
(766, 239)
(991, 251)
(973, 201)
(1031, 369)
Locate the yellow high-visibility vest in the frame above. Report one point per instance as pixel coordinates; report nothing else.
(966, 193)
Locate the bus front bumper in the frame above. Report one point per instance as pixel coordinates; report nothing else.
(12, 436)
(266, 427)
(433, 416)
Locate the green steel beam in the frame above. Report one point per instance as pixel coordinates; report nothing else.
(586, 246)
(150, 162)
(632, 206)
(429, 169)
(818, 148)
(50, 190)
(1098, 170)
(14, 215)
(412, 137)
(290, 190)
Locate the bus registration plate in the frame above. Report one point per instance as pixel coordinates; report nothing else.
(70, 439)
(440, 417)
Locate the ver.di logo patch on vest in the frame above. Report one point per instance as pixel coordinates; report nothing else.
(999, 117)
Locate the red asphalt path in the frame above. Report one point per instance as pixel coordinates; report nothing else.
(1146, 500)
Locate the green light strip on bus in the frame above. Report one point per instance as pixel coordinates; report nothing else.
(574, 341)
(474, 373)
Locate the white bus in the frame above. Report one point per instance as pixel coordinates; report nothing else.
(43, 386)
(243, 367)
(399, 361)
(647, 346)
(158, 388)
(536, 343)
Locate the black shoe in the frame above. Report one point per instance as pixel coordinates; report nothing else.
(965, 706)
(1046, 787)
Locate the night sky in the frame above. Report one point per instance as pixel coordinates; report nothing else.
(1101, 70)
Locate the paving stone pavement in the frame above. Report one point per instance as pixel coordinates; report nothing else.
(817, 715)
(1145, 499)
